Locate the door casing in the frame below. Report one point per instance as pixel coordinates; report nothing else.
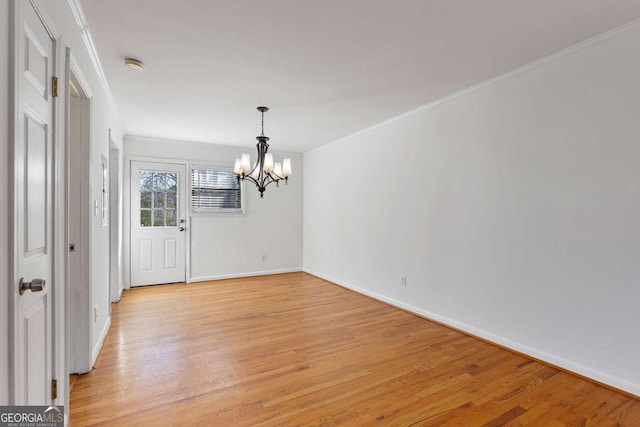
(78, 184)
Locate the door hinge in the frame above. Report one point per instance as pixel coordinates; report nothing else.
(54, 389)
(54, 87)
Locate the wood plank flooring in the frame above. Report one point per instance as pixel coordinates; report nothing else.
(292, 349)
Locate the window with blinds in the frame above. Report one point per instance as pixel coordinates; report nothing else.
(214, 190)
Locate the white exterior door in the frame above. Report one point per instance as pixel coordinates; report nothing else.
(158, 223)
(33, 203)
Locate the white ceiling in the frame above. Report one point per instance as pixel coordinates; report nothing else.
(325, 68)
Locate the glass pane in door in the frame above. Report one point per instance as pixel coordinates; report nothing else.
(158, 199)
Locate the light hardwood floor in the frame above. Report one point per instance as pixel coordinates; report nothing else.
(292, 349)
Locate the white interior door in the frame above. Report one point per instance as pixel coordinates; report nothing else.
(33, 225)
(158, 223)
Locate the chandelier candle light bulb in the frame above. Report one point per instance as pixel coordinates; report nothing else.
(264, 171)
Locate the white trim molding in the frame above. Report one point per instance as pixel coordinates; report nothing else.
(247, 274)
(585, 371)
(100, 342)
(74, 67)
(87, 38)
(504, 76)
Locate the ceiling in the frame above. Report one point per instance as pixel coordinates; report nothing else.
(325, 68)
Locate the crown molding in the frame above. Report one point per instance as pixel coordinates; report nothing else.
(87, 38)
(504, 76)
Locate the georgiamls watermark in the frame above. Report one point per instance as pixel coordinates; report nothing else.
(32, 416)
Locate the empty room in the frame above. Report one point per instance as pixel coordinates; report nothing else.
(286, 212)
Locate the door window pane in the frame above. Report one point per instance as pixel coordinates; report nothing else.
(171, 198)
(170, 218)
(145, 217)
(158, 217)
(146, 180)
(145, 199)
(158, 199)
(158, 182)
(171, 181)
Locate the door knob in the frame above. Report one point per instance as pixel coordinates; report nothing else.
(36, 285)
(182, 228)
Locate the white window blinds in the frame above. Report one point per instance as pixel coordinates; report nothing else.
(215, 191)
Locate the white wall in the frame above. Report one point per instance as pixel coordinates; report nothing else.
(5, 165)
(103, 117)
(511, 208)
(231, 245)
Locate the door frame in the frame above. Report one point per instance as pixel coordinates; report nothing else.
(127, 213)
(78, 315)
(115, 220)
(58, 205)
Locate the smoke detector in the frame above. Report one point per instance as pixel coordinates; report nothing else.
(133, 64)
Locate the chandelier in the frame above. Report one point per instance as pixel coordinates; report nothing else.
(264, 171)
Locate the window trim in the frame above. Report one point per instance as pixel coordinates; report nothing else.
(213, 211)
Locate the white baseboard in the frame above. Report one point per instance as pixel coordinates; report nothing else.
(248, 274)
(599, 376)
(98, 346)
(119, 295)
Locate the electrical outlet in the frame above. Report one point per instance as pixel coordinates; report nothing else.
(403, 281)
(95, 314)
(263, 257)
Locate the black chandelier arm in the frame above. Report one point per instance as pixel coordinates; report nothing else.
(264, 178)
(258, 162)
(260, 177)
(277, 177)
(261, 187)
(250, 178)
(262, 182)
(252, 170)
(267, 179)
(271, 181)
